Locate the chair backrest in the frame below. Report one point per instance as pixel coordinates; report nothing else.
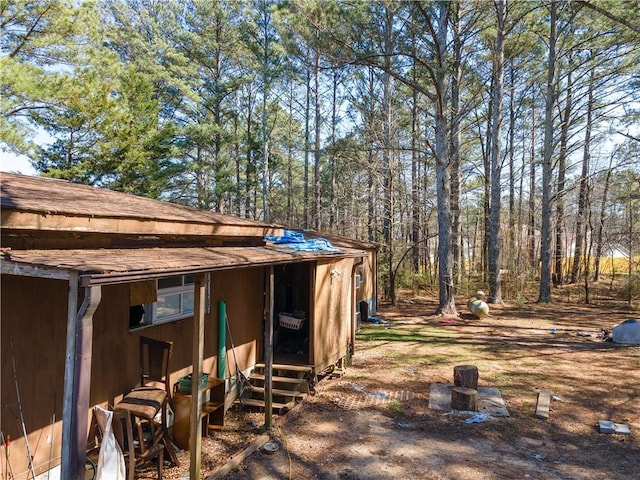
(155, 356)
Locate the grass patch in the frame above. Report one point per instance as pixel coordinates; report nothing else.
(395, 407)
(400, 335)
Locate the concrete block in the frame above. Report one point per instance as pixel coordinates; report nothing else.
(608, 427)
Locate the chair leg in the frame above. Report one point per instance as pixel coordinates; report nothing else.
(160, 462)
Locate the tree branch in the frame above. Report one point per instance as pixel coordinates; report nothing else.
(609, 15)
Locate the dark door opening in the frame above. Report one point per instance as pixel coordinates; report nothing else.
(291, 313)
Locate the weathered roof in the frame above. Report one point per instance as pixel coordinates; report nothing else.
(37, 203)
(106, 266)
(339, 240)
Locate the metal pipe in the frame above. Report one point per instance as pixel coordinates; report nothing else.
(222, 339)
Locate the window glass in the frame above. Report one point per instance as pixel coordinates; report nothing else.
(168, 305)
(175, 301)
(187, 302)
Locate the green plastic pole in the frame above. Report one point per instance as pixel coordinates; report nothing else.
(222, 339)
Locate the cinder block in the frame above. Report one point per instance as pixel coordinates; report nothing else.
(607, 426)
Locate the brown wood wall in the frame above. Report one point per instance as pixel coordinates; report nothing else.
(34, 315)
(367, 289)
(30, 316)
(332, 312)
(243, 292)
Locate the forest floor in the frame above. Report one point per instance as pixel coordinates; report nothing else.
(374, 422)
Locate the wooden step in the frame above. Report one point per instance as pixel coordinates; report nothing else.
(278, 391)
(291, 368)
(274, 379)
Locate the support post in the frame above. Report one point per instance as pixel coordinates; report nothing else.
(197, 353)
(77, 381)
(268, 350)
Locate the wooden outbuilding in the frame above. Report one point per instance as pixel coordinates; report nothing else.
(87, 271)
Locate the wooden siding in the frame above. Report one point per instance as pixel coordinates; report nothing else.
(332, 311)
(367, 290)
(18, 239)
(243, 292)
(38, 330)
(33, 315)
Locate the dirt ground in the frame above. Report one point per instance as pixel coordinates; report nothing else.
(374, 422)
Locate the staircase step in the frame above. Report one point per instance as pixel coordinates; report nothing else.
(291, 368)
(278, 391)
(289, 380)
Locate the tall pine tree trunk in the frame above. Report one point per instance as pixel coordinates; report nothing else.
(456, 138)
(558, 277)
(317, 201)
(334, 120)
(601, 218)
(446, 300)
(387, 173)
(531, 213)
(371, 175)
(544, 294)
(512, 179)
(307, 147)
(495, 289)
(415, 187)
(582, 195)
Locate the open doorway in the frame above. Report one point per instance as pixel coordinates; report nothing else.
(292, 298)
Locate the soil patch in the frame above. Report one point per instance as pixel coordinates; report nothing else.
(375, 422)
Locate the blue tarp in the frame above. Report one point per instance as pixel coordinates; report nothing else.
(296, 241)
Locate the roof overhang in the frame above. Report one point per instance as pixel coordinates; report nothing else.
(113, 266)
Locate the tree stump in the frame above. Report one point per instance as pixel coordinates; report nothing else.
(465, 376)
(463, 398)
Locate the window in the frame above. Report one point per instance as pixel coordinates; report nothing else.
(175, 301)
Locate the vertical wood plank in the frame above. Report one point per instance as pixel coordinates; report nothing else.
(196, 387)
(68, 401)
(268, 350)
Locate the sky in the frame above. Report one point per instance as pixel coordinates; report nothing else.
(10, 162)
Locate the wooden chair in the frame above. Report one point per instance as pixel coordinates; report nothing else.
(145, 401)
(155, 356)
(138, 444)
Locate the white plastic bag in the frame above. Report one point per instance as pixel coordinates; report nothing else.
(110, 459)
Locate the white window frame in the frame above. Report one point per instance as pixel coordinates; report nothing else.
(152, 314)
